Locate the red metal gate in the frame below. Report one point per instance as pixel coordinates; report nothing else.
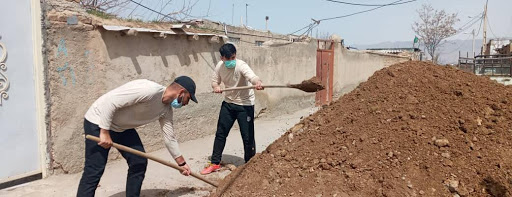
(325, 71)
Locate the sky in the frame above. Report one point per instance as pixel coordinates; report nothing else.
(387, 24)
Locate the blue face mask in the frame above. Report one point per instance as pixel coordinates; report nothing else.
(176, 104)
(230, 63)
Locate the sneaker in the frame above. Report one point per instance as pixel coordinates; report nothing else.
(210, 168)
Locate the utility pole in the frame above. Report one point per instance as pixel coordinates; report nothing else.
(484, 44)
(246, 19)
(233, 15)
(266, 23)
(315, 22)
(473, 32)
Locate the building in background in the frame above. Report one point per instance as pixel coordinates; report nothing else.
(412, 53)
(498, 47)
(496, 61)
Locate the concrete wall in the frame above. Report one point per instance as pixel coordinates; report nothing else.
(283, 64)
(353, 67)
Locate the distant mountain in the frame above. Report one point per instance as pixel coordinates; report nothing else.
(449, 51)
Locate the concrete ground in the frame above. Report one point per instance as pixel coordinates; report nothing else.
(162, 180)
(503, 80)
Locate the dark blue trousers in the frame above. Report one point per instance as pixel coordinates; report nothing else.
(96, 159)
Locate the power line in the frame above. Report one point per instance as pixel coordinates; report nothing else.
(129, 15)
(480, 15)
(209, 4)
(311, 30)
(380, 6)
(479, 26)
(490, 28)
(465, 27)
(307, 30)
(148, 16)
(163, 7)
(359, 4)
(309, 25)
(369, 10)
(313, 25)
(462, 29)
(164, 15)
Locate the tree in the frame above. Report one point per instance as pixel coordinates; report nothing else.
(103, 5)
(180, 10)
(434, 26)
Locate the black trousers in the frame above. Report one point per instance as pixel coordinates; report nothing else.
(227, 116)
(96, 159)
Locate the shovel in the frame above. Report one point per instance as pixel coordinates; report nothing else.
(148, 156)
(310, 85)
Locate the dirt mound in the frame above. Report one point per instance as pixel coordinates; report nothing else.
(413, 129)
(310, 85)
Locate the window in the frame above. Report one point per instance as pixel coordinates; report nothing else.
(234, 40)
(259, 43)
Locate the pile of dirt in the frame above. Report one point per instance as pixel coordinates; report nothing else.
(413, 129)
(310, 85)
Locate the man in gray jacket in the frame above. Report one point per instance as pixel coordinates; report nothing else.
(114, 117)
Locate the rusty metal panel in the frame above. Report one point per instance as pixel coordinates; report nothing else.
(320, 95)
(325, 71)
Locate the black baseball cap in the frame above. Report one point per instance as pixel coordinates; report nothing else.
(188, 84)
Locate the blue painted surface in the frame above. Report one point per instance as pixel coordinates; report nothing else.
(72, 20)
(61, 49)
(19, 141)
(65, 71)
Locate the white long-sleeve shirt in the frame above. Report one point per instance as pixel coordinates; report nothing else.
(239, 76)
(134, 104)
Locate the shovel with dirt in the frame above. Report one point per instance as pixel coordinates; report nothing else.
(310, 85)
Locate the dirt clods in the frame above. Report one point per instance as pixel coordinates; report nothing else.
(310, 85)
(412, 129)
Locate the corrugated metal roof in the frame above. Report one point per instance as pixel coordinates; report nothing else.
(175, 29)
(180, 26)
(122, 28)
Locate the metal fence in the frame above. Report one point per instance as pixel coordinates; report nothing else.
(489, 65)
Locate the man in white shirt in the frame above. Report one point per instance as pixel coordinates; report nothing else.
(237, 105)
(114, 117)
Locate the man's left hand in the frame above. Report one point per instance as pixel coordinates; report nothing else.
(186, 170)
(259, 86)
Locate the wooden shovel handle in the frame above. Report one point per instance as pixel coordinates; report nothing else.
(252, 87)
(148, 156)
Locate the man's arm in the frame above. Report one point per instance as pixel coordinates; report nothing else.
(105, 140)
(172, 143)
(216, 79)
(249, 75)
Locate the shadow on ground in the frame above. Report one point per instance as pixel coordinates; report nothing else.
(231, 159)
(494, 188)
(182, 191)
